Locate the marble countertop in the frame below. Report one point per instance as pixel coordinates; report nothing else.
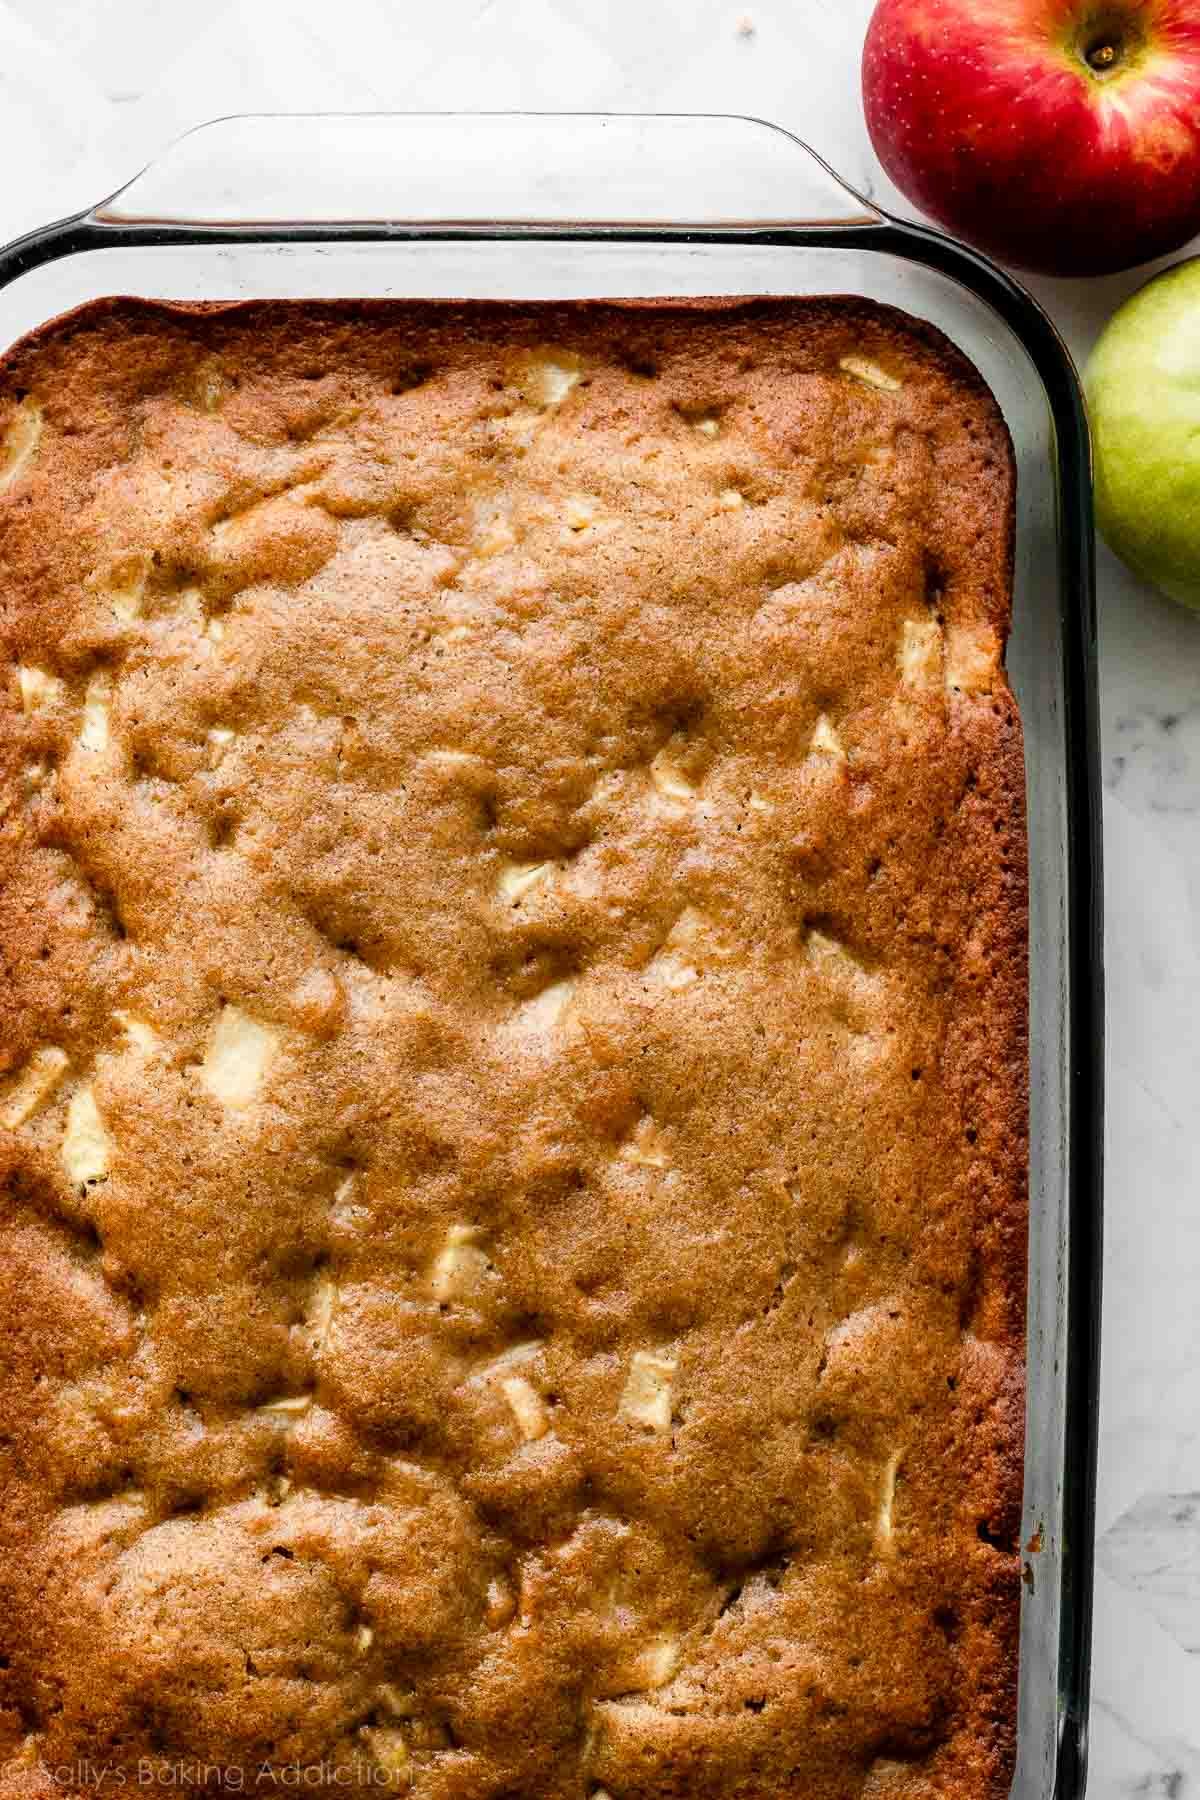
(91, 89)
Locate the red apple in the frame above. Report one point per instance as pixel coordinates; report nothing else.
(1059, 135)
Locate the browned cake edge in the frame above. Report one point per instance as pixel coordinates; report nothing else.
(988, 1059)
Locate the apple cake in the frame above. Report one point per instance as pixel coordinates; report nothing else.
(513, 1112)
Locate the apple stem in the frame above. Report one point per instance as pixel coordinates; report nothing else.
(1102, 56)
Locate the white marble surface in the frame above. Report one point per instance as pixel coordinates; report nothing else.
(90, 89)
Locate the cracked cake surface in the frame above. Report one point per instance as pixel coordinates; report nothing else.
(513, 1057)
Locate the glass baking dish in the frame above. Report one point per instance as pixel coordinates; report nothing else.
(560, 205)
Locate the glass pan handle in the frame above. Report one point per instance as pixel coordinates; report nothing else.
(486, 170)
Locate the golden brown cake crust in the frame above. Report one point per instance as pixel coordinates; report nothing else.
(513, 1103)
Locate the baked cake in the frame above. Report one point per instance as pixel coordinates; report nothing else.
(513, 907)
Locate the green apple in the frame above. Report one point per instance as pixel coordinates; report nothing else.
(1143, 389)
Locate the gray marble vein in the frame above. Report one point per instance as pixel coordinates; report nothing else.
(1152, 759)
(1154, 1549)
